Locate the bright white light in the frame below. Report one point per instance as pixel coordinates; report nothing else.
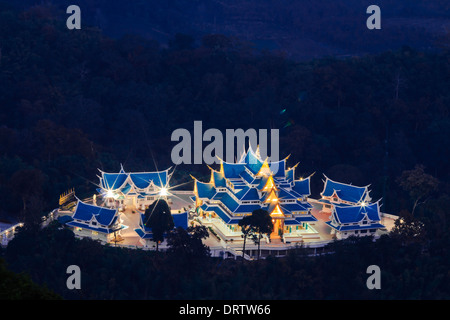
(109, 194)
(163, 192)
(363, 204)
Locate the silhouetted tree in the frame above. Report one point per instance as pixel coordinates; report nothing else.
(159, 218)
(247, 229)
(186, 246)
(261, 224)
(418, 184)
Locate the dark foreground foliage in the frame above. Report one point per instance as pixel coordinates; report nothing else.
(409, 270)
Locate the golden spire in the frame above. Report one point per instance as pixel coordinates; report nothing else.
(272, 197)
(277, 211)
(265, 169)
(270, 184)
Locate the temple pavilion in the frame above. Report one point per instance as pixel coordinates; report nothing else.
(350, 208)
(95, 222)
(252, 183)
(342, 194)
(359, 220)
(137, 189)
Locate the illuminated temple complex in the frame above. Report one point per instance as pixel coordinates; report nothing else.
(237, 189)
(120, 195)
(137, 189)
(117, 212)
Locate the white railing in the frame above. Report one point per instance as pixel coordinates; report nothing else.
(181, 192)
(11, 229)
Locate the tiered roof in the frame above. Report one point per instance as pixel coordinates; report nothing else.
(144, 232)
(348, 218)
(345, 192)
(140, 184)
(104, 219)
(252, 183)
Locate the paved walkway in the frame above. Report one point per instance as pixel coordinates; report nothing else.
(130, 219)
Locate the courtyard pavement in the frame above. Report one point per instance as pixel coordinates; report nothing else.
(131, 218)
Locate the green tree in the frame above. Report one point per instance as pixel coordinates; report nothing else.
(247, 229)
(408, 229)
(418, 184)
(159, 218)
(187, 247)
(20, 287)
(261, 224)
(28, 184)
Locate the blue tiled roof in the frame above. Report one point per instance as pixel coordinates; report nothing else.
(143, 180)
(113, 181)
(219, 180)
(285, 195)
(302, 187)
(262, 183)
(290, 174)
(218, 196)
(248, 194)
(345, 192)
(285, 186)
(355, 227)
(300, 220)
(126, 188)
(205, 190)
(295, 206)
(229, 202)
(352, 214)
(232, 170)
(222, 214)
(142, 234)
(305, 218)
(247, 208)
(238, 184)
(85, 212)
(289, 222)
(247, 177)
(252, 162)
(239, 194)
(180, 219)
(241, 176)
(278, 168)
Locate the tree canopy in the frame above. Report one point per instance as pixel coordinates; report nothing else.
(158, 217)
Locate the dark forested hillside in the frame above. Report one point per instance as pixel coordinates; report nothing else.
(301, 29)
(74, 101)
